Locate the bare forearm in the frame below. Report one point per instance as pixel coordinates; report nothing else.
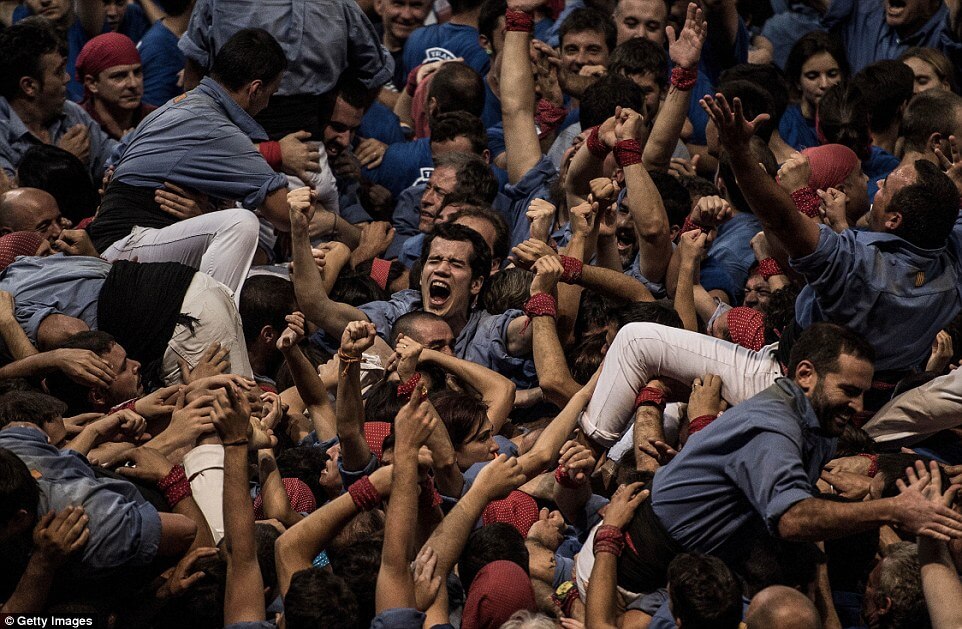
(651, 222)
(667, 129)
(355, 452)
(277, 504)
(549, 443)
(395, 587)
(601, 605)
(814, 519)
(312, 393)
(607, 254)
(449, 538)
(296, 548)
(685, 296)
(243, 598)
(940, 584)
(30, 597)
(312, 298)
(522, 147)
(614, 284)
(496, 390)
(549, 362)
(16, 339)
(31, 365)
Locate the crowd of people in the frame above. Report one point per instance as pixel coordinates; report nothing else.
(481, 313)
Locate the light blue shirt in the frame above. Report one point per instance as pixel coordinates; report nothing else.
(320, 40)
(732, 252)
(751, 464)
(16, 139)
(895, 295)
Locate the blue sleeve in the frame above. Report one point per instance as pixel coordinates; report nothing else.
(370, 62)
(839, 266)
(407, 212)
(383, 314)
(770, 475)
(535, 184)
(414, 50)
(839, 11)
(196, 42)
(496, 139)
(401, 165)
(381, 124)
(489, 348)
(135, 23)
(161, 64)
(349, 477)
(411, 250)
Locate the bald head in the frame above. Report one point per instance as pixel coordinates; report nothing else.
(31, 210)
(780, 607)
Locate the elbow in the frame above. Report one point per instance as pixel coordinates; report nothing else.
(789, 528)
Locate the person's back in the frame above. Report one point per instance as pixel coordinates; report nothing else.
(456, 38)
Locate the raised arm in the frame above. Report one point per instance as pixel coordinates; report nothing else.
(643, 199)
(548, 446)
(521, 144)
(321, 310)
(772, 205)
(414, 424)
(685, 51)
(309, 386)
(691, 247)
(355, 453)
(554, 377)
(496, 391)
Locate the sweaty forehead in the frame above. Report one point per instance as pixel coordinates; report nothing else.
(459, 249)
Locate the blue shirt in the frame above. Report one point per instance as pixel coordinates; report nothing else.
(491, 114)
(54, 284)
(796, 130)
(162, 61)
(411, 250)
(124, 528)
(203, 141)
(402, 165)
(382, 124)
(868, 282)
(784, 29)
(407, 213)
(868, 38)
(709, 71)
(445, 41)
(751, 464)
(878, 166)
(16, 139)
(484, 340)
(732, 251)
(514, 202)
(320, 40)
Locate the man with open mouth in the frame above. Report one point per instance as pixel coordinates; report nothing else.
(872, 30)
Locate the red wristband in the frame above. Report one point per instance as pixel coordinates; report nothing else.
(807, 201)
(573, 268)
(380, 271)
(650, 396)
(129, 405)
(541, 305)
(628, 153)
(690, 225)
(769, 267)
(548, 116)
(684, 78)
(873, 466)
(364, 494)
(271, 152)
(405, 389)
(595, 146)
(518, 21)
(609, 539)
(174, 486)
(700, 422)
(562, 478)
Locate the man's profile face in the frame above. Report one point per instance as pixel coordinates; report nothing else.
(837, 396)
(899, 178)
(54, 10)
(53, 84)
(114, 11)
(584, 48)
(127, 384)
(447, 287)
(641, 18)
(339, 130)
(443, 181)
(33, 210)
(120, 86)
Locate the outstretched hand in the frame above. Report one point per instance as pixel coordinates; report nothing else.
(734, 131)
(685, 50)
(922, 508)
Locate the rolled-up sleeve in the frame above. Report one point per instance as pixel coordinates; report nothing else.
(196, 43)
(370, 62)
(839, 266)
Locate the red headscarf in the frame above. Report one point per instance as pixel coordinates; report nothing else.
(18, 244)
(499, 590)
(106, 51)
(747, 327)
(831, 165)
(518, 509)
(299, 494)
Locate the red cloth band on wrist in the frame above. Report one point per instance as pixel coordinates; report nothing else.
(595, 146)
(684, 78)
(405, 389)
(364, 494)
(769, 267)
(652, 397)
(562, 478)
(609, 539)
(549, 116)
(380, 270)
(518, 21)
(573, 268)
(690, 225)
(700, 422)
(628, 153)
(873, 466)
(174, 486)
(807, 201)
(411, 85)
(129, 405)
(541, 305)
(271, 152)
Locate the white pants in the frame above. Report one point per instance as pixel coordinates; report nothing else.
(204, 468)
(220, 244)
(212, 305)
(642, 351)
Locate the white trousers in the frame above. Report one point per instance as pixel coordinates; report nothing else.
(642, 351)
(220, 244)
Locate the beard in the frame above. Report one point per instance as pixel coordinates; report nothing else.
(831, 417)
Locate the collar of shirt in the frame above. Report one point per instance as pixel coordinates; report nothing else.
(17, 130)
(237, 115)
(803, 407)
(924, 34)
